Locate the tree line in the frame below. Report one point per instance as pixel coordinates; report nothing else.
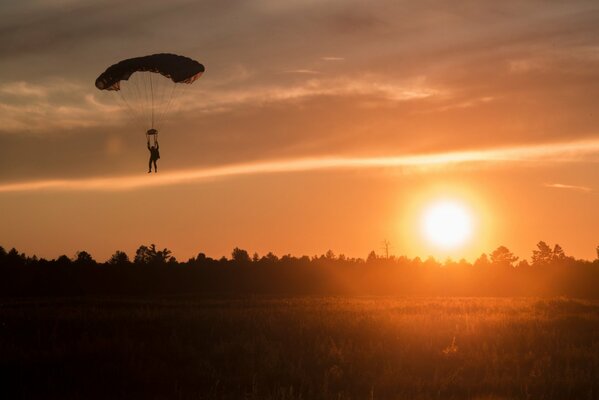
(550, 272)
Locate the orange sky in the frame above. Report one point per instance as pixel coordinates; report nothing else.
(318, 125)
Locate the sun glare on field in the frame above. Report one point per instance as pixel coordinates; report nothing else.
(447, 224)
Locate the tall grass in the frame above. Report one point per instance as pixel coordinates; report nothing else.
(299, 348)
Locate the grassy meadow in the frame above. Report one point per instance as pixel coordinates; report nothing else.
(299, 348)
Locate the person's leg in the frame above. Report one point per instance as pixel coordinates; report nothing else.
(150, 165)
(155, 167)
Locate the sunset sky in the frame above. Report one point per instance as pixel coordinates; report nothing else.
(317, 125)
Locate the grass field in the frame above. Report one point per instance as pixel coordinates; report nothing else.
(299, 348)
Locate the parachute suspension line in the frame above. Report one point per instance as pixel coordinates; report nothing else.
(134, 113)
(139, 97)
(177, 96)
(175, 106)
(154, 137)
(183, 93)
(130, 97)
(139, 81)
(152, 93)
(146, 95)
(135, 92)
(161, 116)
(158, 90)
(138, 105)
(149, 99)
(164, 86)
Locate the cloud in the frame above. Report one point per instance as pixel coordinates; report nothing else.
(556, 152)
(54, 106)
(50, 25)
(303, 71)
(368, 85)
(59, 106)
(462, 104)
(351, 22)
(524, 65)
(332, 58)
(23, 89)
(568, 187)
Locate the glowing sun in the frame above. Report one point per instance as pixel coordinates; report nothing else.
(447, 224)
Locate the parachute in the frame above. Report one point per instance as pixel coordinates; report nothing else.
(148, 85)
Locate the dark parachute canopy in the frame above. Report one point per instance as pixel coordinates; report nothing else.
(150, 86)
(179, 69)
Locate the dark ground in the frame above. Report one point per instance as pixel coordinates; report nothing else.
(299, 348)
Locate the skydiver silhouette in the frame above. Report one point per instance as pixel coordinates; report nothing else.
(154, 155)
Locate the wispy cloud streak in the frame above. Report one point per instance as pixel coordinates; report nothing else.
(568, 187)
(60, 105)
(556, 152)
(303, 71)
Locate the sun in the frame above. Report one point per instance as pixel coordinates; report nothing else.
(447, 224)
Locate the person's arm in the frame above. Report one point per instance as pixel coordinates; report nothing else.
(157, 146)
(148, 145)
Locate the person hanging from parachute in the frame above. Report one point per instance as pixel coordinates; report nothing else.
(150, 83)
(154, 152)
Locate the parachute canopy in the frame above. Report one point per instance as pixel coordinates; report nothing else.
(149, 86)
(179, 69)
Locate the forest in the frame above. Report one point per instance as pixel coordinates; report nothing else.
(151, 271)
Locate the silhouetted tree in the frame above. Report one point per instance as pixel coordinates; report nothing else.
(543, 255)
(431, 262)
(371, 257)
(270, 257)
(329, 255)
(558, 253)
(14, 258)
(159, 256)
(63, 261)
(201, 259)
(502, 256)
(287, 258)
(449, 262)
(119, 258)
(482, 261)
(151, 255)
(142, 255)
(255, 257)
(84, 258)
(240, 256)
(597, 250)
